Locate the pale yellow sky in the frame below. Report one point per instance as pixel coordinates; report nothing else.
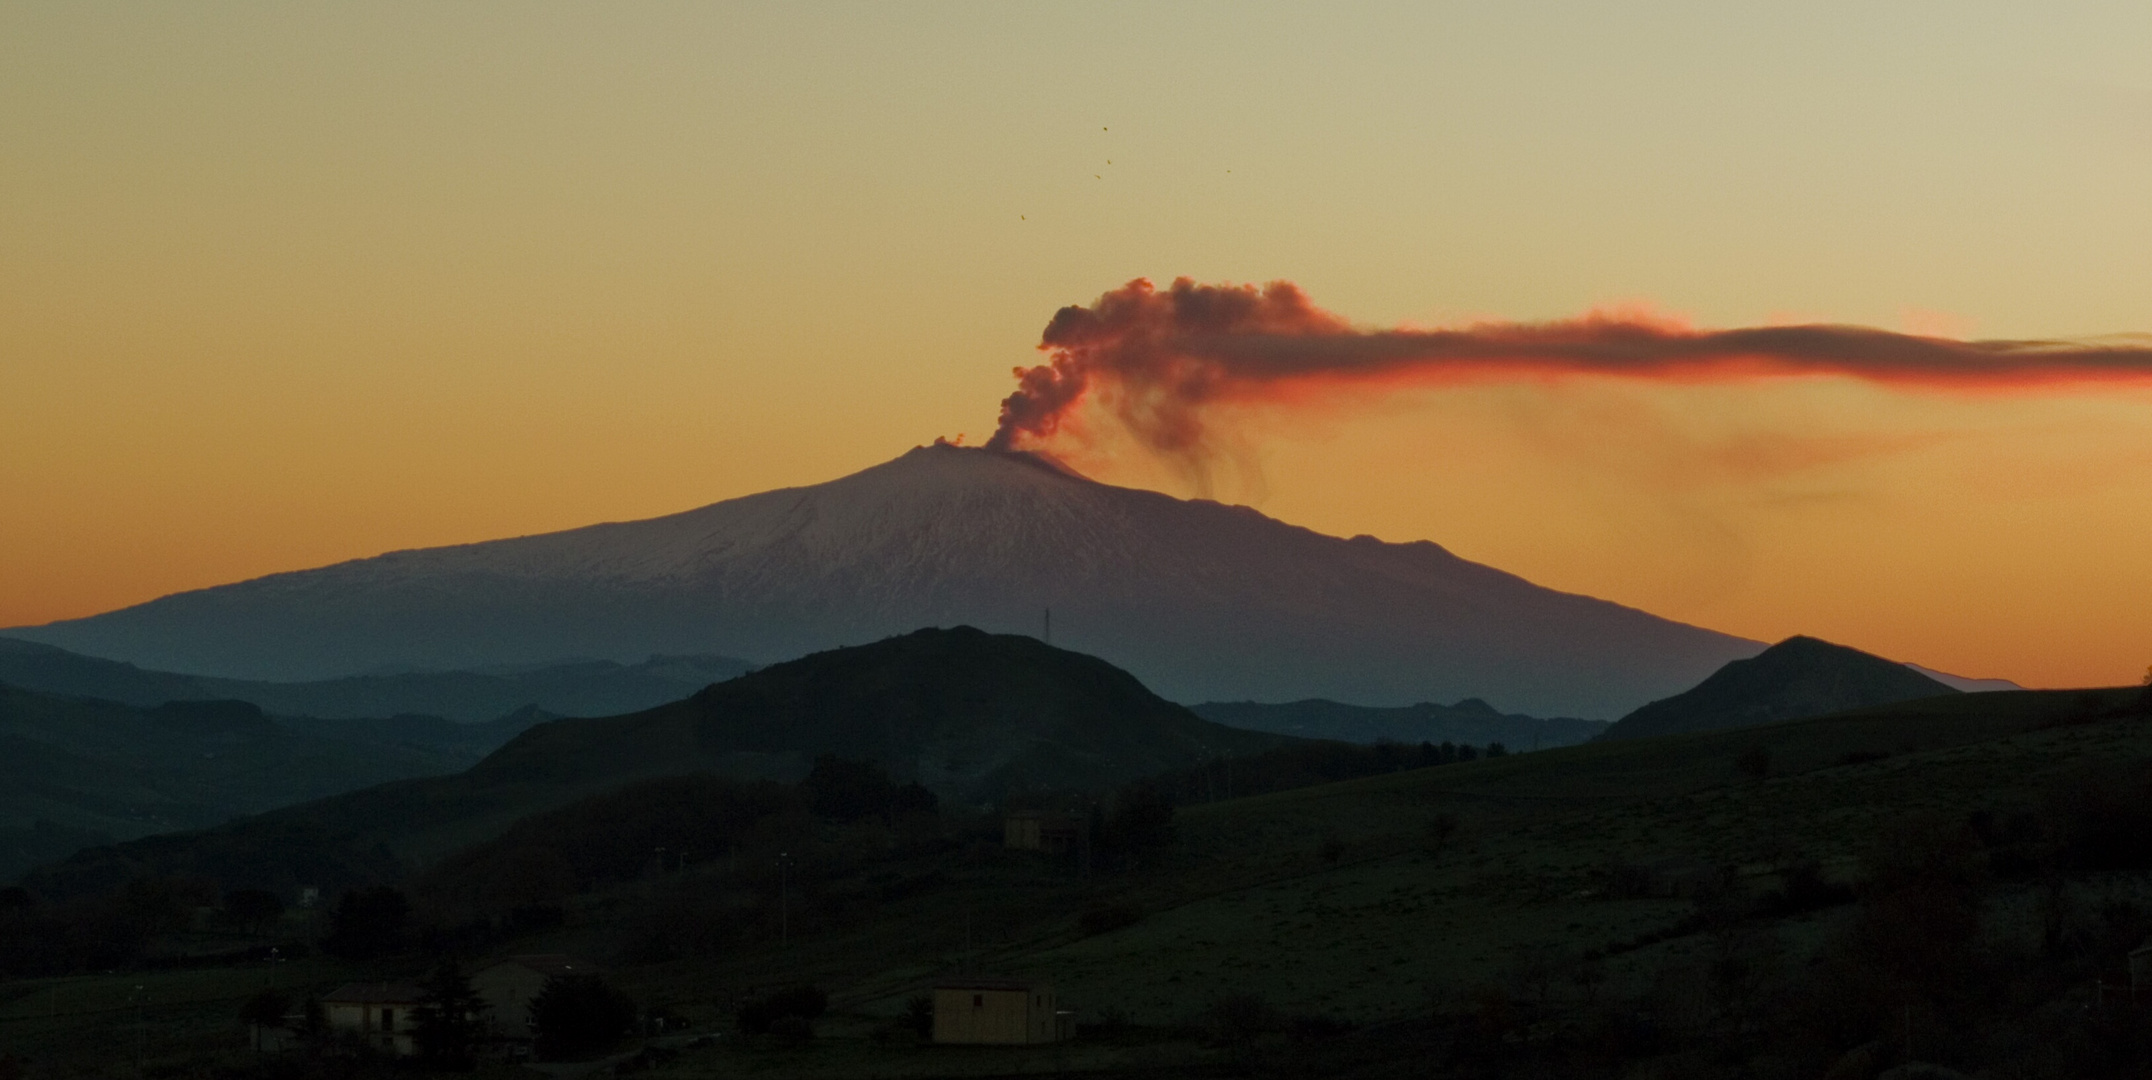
(284, 285)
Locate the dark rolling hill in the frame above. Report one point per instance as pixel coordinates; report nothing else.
(582, 688)
(1471, 721)
(970, 715)
(1795, 679)
(1202, 601)
(75, 772)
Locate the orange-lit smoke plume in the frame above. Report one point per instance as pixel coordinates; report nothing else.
(1160, 359)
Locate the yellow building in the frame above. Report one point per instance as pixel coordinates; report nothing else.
(379, 1014)
(998, 1012)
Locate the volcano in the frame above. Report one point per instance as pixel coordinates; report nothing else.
(1200, 600)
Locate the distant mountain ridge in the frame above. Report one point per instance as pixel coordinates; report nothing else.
(1798, 678)
(583, 688)
(1200, 600)
(972, 716)
(76, 772)
(1471, 722)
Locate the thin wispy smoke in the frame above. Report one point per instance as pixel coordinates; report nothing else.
(1159, 360)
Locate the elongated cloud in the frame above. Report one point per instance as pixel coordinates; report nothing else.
(1160, 359)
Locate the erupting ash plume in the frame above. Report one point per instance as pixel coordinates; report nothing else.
(1159, 359)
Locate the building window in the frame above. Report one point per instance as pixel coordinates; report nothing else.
(978, 1001)
(388, 1019)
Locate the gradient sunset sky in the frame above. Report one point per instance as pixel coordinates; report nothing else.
(282, 285)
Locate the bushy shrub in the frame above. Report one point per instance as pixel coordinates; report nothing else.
(919, 1015)
(759, 1016)
(577, 1015)
(1100, 918)
(1804, 889)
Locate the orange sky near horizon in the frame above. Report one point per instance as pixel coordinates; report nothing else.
(281, 287)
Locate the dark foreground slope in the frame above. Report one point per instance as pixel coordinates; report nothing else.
(1618, 909)
(1201, 601)
(582, 688)
(970, 715)
(75, 772)
(1470, 722)
(1796, 678)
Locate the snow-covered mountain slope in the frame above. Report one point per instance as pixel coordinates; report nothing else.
(1200, 600)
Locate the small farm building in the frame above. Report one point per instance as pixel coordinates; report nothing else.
(1055, 834)
(997, 1011)
(379, 1013)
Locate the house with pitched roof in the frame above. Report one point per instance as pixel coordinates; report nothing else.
(377, 1013)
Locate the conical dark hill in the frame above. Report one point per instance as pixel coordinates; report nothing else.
(969, 714)
(1795, 679)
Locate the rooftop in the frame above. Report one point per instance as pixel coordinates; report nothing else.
(374, 993)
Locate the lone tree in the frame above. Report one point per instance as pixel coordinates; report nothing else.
(575, 1015)
(445, 1025)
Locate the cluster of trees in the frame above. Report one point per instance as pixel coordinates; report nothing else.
(846, 791)
(573, 1016)
(788, 1013)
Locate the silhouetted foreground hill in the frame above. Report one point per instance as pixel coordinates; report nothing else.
(1199, 600)
(1471, 721)
(1795, 679)
(76, 772)
(581, 688)
(969, 715)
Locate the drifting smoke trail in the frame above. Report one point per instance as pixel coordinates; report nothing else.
(1160, 360)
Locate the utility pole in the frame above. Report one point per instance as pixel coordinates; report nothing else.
(784, 898)
(1049, 626)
